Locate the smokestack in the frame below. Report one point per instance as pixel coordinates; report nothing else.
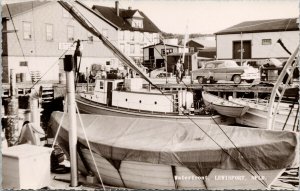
(117, 8)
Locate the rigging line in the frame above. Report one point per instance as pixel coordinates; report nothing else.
(18, 39)
(89, 146)
(95, 31)
(246, 159)
(32, 14)
(13, 23)
(51, 66)
(59, 127)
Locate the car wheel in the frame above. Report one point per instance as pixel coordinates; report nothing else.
(237, 79)
(201, 80)
(249, 81)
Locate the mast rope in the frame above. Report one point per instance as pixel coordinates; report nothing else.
(49, 69)
(89, 146)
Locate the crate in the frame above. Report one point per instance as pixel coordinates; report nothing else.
(26, 167)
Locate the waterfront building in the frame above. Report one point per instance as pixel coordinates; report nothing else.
(135, 32)
(260, 40)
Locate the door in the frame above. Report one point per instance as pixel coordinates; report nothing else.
(246, 49)
(109, 93)
(151, 55)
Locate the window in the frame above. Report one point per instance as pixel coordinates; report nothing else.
(210, 65)
(101, 85)
(132, 49)
(151, 37)
(70, 33)
(132, 36)
(141, 37)
(105, 33)
(222, 65)
(49, 32)
(23, 63)
(121, 35)
(169, 50)
(138, 48)
(27, 31)
(137, 23)
(266, 41)
(107, 63)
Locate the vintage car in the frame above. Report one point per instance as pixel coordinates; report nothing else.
(225, 70)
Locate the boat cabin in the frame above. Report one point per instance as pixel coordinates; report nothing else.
(129, 93)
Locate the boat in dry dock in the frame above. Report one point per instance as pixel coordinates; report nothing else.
(223, 106)
(128, 98)
(150, 153)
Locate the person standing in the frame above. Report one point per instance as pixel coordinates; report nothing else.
(179, 71)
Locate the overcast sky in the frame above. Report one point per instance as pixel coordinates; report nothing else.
(206, 16)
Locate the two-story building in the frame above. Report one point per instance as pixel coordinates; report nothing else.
(135, 31)
(258, 40)
(36, 36)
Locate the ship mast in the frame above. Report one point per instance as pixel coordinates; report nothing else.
(89, 26)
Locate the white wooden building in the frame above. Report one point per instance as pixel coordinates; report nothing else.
(259, 40)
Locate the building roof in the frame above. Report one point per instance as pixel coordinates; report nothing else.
(194, 42)
(97, 14)
(289, 24)
(161, 43)
(111, 14)
(21, 7)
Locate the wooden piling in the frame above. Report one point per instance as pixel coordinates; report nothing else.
(11, 121)
(11, 107)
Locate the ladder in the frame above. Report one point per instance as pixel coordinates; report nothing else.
(288, 69)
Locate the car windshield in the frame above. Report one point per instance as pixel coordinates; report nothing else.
(231, 64)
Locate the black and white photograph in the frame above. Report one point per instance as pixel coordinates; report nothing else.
(150, 94)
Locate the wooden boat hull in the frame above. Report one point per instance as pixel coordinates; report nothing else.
(257, 116)
(89, 107)
(223, 106)
(146, 175)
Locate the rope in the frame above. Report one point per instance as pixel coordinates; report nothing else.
(51, 66)
(87, 141)
(59, 127)
(284, 125)
(13, 23)
(265, 184)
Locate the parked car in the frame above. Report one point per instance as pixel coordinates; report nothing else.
(225, 70)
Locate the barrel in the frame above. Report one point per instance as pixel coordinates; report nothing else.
(62, 78)
(18, 77)
(23, 77)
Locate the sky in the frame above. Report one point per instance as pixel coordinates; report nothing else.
(204, 16)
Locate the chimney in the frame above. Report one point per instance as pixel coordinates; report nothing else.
(117, 8)
(129, 8)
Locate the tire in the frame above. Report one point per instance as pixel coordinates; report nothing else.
(201, 80)
(250, 81)
(237, 79)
